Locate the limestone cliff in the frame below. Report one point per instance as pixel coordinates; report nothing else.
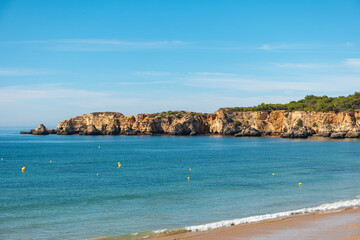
(111, 123)
(298, 124)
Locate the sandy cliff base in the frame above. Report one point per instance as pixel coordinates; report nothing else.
(342, 225)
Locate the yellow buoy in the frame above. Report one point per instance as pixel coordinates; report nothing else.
(300, 183)
(273, 174)
(190, 169)
(50, 161)
(119, 165)
(23, 169)
(99, 146)
(2, 159)
(97, 174)
(188, 178)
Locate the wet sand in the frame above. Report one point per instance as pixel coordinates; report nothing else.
(342, 224)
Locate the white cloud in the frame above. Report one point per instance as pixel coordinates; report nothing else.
(25, 105)
(323, 84)
(303, 65)
(25, 94)
(99, 44)
(139, 44)
(268, 47)
(152, 73)
(50, 104)
(345, 66)
(300, 46)
(23, 72)
(212, 73)
(265, 47)
(144, 83)
(353, 62)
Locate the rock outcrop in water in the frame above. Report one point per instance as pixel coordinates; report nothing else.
(40, 130)
(297, 124)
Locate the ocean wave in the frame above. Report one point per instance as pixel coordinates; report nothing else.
(326, 207)
(321, 208)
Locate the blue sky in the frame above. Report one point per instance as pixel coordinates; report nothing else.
(59, 59)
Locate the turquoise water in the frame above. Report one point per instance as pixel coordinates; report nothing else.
(230, 178)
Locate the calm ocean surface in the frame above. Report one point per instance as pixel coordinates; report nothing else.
(230, 178)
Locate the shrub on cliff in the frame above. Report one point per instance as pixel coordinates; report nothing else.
(350, 103)
(299, 123)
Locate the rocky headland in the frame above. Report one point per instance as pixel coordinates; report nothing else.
(296, 124)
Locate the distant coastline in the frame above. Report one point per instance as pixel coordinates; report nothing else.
(301, 119)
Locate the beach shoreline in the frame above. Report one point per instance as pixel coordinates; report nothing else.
(335, 224)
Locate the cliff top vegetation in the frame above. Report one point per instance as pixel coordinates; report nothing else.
(350, 103)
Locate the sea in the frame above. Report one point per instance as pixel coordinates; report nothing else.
(73, 188)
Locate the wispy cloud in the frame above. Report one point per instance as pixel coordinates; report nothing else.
(23, 72)
(265, 47)
(99, 44)
(50, 104)
(291, 46)
(125, 45)
(211, 74)
(241, 84)
(269, 47)
(144, 83)
(152, 73)
(349, 44)
(303, 65)
(15, 94)
(307, 47)
(346, 65)
(323, 84)
(55, 103)
(353, 62)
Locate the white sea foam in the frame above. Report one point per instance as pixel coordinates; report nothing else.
(321, 208)
(160, 231)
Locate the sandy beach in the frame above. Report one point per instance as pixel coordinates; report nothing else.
(342, 224)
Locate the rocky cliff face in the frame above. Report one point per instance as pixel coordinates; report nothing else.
(222, 122)
(109, 123)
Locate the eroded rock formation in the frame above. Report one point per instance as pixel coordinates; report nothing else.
(298, 124)
(40, 130)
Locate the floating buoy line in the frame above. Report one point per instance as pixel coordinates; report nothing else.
(119, 166)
